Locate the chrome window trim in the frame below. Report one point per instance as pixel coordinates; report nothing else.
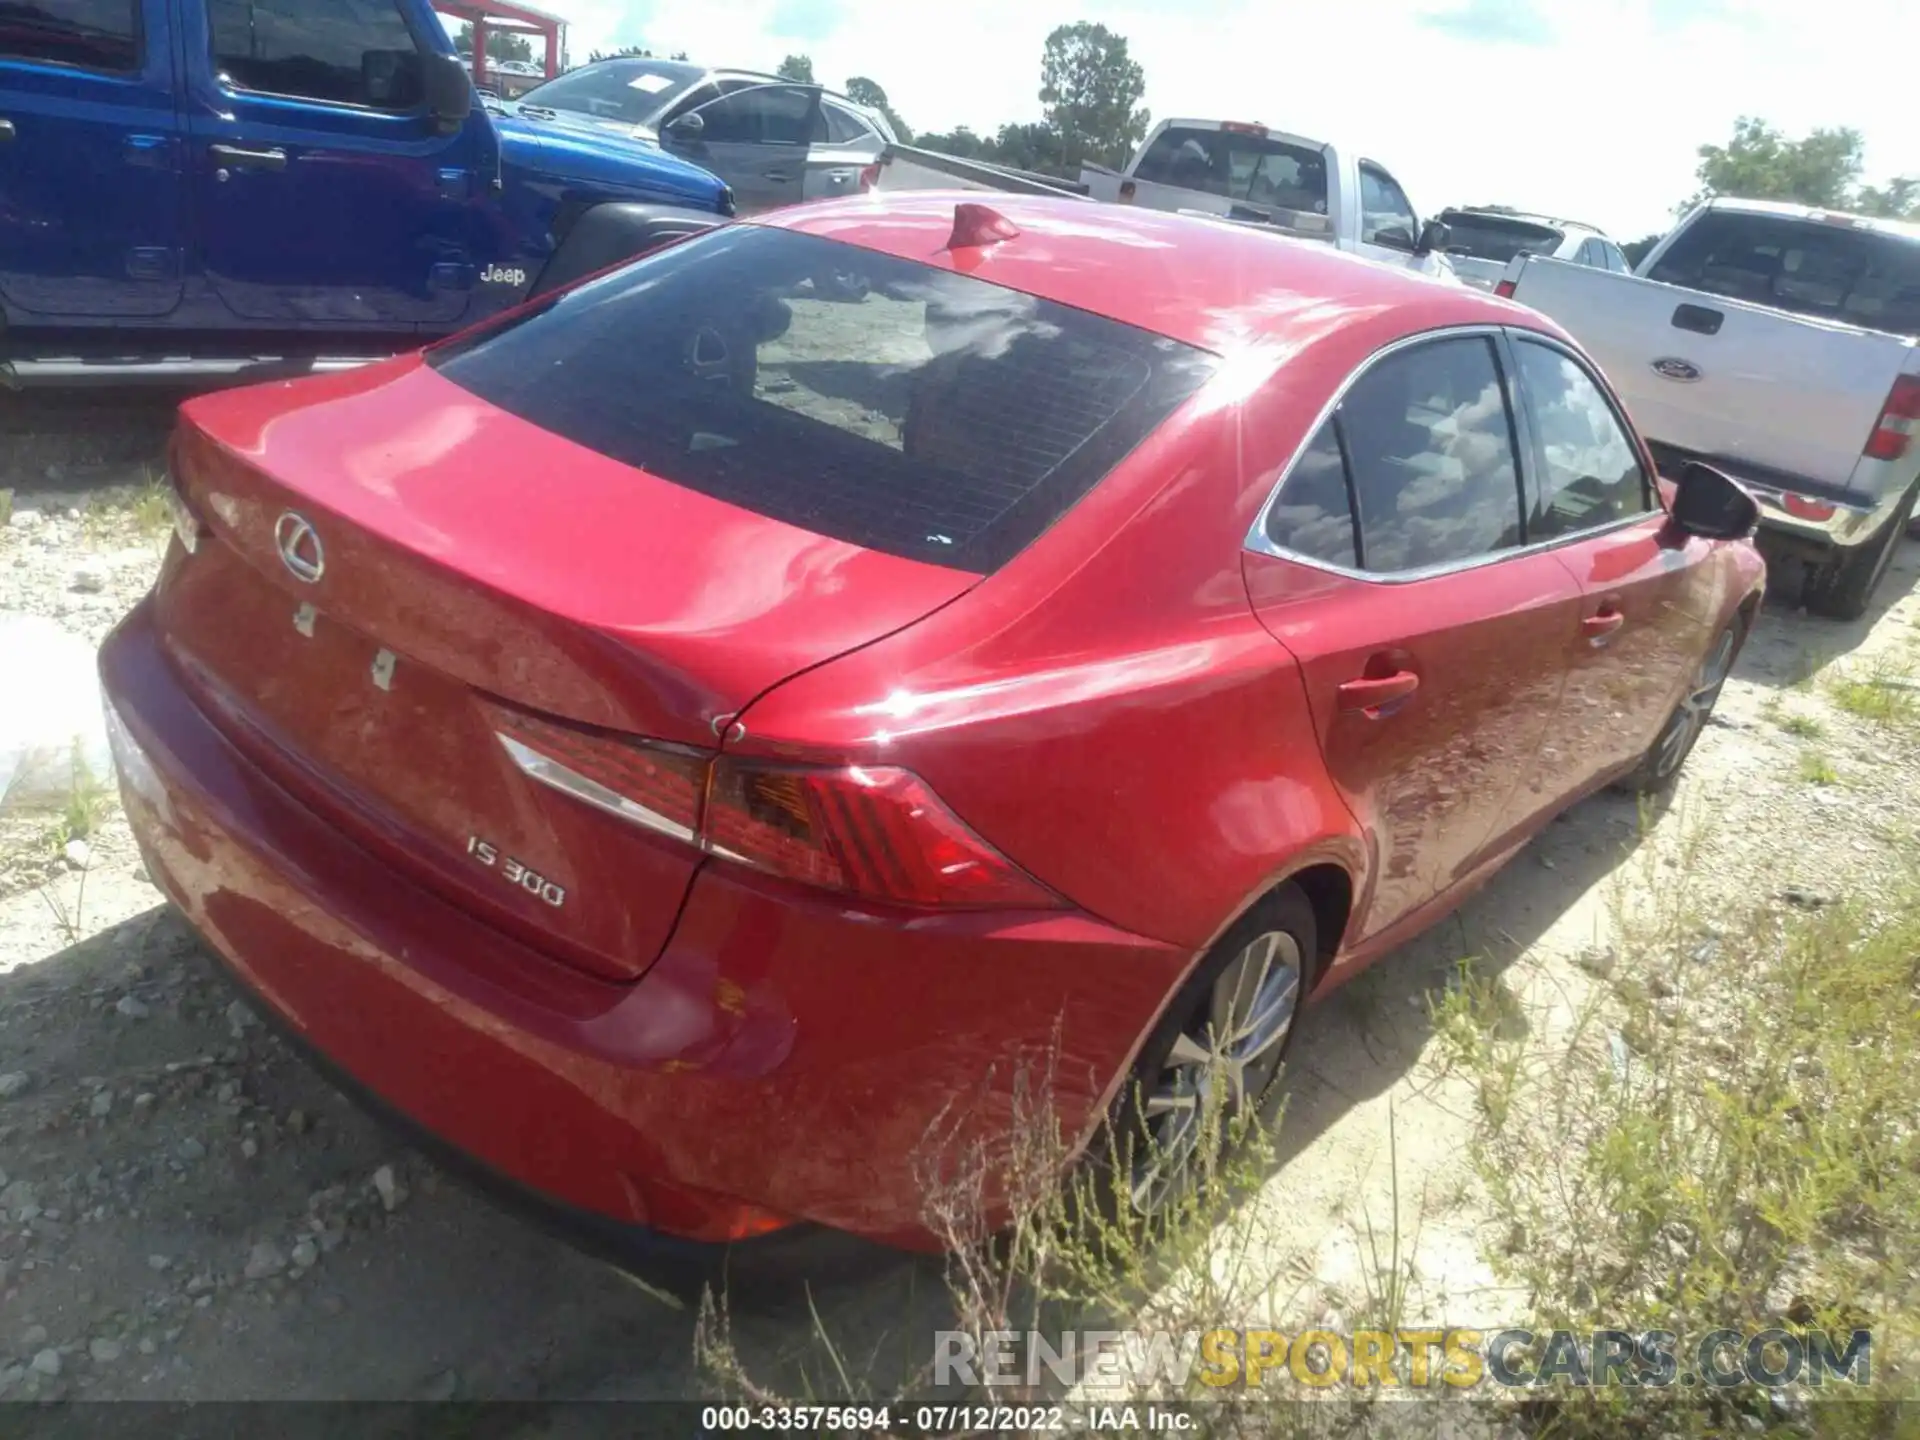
(551, 772)
(1257, 539)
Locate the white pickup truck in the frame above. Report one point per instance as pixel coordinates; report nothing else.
(1231, 170)
(1782, 344)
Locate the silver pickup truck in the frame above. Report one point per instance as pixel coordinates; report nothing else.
(1301, 188)
(1782, 344)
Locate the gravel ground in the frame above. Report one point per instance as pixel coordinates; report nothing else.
(187, 1212)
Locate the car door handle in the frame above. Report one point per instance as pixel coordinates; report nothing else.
(6, 129)
(1370, 694)
(1597, 628)
(241, 159)
(779, 177)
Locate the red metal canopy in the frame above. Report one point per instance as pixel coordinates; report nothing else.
(485, 15)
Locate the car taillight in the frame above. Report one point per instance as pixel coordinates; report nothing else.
(1805, 507)
(187, 524)
(1504, 289)
(1899, 418)
(656, 786)
(869, 177)
(878, 833)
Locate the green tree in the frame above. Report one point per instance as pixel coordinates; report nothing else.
(1761, 163)
(863, 91)
(1638, 250)
(1033, 146)
(961, 141)
(501, 44)
(797, 68)
(1091, 89)
(1900, 200)
(631, 52)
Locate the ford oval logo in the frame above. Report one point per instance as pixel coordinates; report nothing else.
(300, 548)
(1672, 367)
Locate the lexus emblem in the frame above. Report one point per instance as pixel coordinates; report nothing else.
(300, 548)
(1672, 367)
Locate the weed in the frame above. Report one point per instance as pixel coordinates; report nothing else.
(1816, 769)
(1746, 1160)
(1885, 693)
(1804, 727)
(6, 507)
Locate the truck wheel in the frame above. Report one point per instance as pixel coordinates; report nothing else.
(1843, 588)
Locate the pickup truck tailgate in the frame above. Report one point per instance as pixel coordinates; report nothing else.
(1724, 378)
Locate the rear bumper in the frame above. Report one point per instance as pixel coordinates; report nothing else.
(785, 1058)
(1808, 517)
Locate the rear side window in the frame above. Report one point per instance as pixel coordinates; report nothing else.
(902, 408)
(1421, 452)
(1492, 237)
(1313, 514)
(1807, 267)
(760, 115)
(87, 34)
(346, 52)
(1239, 166)
(1431, 449)
(1589, 473)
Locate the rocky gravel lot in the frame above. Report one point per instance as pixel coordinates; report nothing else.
(188, 1213)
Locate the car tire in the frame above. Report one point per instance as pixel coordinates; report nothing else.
(1843, 588)
(1660, 767)
(1255, 977)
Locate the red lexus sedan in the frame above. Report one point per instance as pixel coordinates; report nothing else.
(686, 743)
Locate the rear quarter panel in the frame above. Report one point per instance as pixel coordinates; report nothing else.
(1107, 709)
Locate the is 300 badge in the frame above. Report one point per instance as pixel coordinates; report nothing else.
(515, 873)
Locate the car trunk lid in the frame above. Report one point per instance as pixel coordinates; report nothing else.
(396, 570)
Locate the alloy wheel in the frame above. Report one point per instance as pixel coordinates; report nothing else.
(1221, 1062)
(1691, 718)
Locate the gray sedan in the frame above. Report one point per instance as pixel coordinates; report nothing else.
(774, 141)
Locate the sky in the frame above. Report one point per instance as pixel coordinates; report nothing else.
(1587, 109)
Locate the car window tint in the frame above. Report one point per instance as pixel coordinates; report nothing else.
(1588, 472)
(1431, 448)
(350, 52)
(1313, 515)
(874, 399)
(1496, 237)
(1853, 273)
(760, 115)
(1238, 165)
(1617, 261)
(627, 91)
(1386, 215)
(90, 34)
(839, 127)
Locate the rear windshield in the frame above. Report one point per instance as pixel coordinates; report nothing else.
(1808, 267)
(1491, 237)
(1238, 166)
(879, 401)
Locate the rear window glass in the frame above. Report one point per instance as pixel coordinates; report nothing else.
(1488, 237)
(1238, 166)
(876, 400)
(1808, 267)
(627, 91)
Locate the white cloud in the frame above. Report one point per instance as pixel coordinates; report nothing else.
(1598, 121)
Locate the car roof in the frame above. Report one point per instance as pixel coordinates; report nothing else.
(1526, 217)
(1793, 210)
(1213, 284)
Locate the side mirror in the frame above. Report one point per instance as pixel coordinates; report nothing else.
(687, 128)
(449, 92)
(1394, 237)
(1709, 503)
(1433, 236)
